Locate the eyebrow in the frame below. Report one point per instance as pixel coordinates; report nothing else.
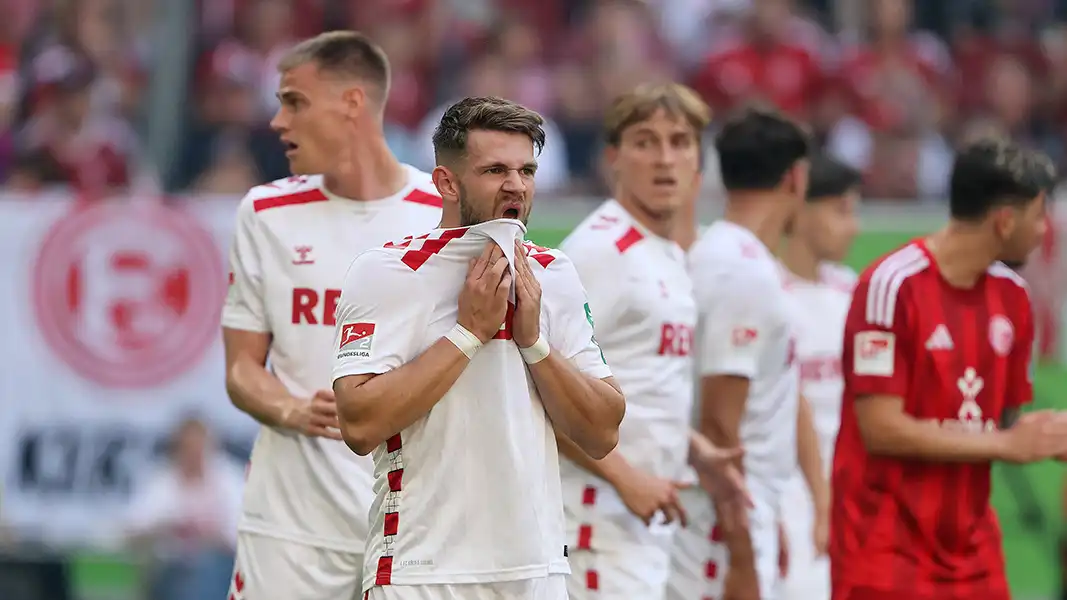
(528, 165)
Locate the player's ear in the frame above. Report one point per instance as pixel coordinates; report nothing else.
(1005, 220)
(355, 99)
(446, 182)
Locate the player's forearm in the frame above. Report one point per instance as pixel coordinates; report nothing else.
(585, 409)
(808, 456)
(378, 408)
(258, 392)
(610, 468)
(720, 422)
(907, 437)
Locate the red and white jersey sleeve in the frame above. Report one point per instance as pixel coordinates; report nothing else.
(746, 330)
(380, 316)
(877, 334)
(294, 241)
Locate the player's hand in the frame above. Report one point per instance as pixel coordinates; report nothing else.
(783, 551)
(526, 327)
(315, 418)
(719, 476)
(483, 302)
(645, 495)
(741, 582)
(821, 532)
(1037, 436)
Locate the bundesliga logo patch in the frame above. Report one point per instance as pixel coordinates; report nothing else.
(356, 340)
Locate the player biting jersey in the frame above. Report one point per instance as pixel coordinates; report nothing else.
(821, 290)
(937, 355)
(459, 386)
(303, 527)
(641, 298)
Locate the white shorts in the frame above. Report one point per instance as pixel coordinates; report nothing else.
(553, 587)
(699, 558)
(809, 576)
(268, 567)
(613, 555)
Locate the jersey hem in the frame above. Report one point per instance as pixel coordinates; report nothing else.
(335, 545)
(463, 578)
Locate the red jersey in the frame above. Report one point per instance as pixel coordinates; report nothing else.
(921, 529)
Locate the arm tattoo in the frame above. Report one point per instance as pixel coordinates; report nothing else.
(1009, 416)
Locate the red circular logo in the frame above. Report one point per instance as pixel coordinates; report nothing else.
(128, 296)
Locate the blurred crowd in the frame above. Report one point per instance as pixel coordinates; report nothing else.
(890, 86)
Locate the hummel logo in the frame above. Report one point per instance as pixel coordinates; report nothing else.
(940, 339)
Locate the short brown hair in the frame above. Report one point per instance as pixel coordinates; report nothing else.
(644, 100)
(485, 114)
(346, 53)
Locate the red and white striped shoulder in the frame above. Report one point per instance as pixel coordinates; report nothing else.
(291, 191)
(1006, 273)
(885, 279)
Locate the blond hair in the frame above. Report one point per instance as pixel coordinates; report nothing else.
(643, 101)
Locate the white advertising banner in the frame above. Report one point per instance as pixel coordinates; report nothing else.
(109, 316)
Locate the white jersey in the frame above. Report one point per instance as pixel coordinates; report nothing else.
(293, 242)
(645, 319)
(469, 493)
(746, 330)
(820, 310)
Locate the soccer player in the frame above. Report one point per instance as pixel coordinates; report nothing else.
(460, 391)
(304, 522)
(645, 317)
(821, 289)
(749, 386)
(937, 366)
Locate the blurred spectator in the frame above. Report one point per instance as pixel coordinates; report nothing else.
(894, 88)
(761, 61)
(228, 113)
(186, 518)
(491, 77)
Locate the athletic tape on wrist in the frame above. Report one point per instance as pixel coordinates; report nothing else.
(536, 353)
(467, 342)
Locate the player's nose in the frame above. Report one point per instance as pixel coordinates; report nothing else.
(279, 122)
(513, 183)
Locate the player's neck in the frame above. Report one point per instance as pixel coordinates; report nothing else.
(799, 259)
(659, 225)
(962, 254)
(371, 172)
(759, 214)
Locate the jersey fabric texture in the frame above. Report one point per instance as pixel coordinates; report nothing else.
(269, 567)
(644, 317)
(293, 241)
(820, 307)
(958, 358)
(746, 329)
(469, 493)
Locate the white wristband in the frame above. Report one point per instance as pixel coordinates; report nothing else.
(536, 353)
(467, 342)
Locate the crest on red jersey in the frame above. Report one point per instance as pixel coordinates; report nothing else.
(1001, 335)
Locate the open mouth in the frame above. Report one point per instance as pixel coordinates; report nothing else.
(289, 146)
(511, 213)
